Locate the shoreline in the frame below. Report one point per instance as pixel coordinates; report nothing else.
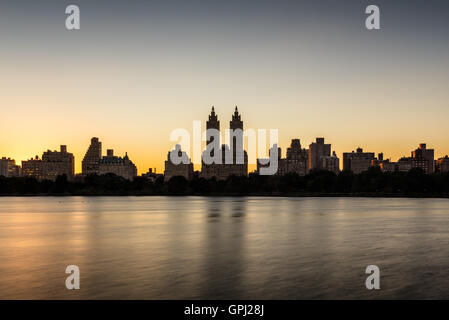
(233, 195)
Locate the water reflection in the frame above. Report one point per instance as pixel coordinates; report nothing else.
(223, 248)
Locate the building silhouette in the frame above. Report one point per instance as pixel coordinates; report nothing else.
(184, 168)
(442, 164)
(52, 164)
(94, 163)
(358, 161)
(404, 164)
(384, 164)
(320, 156)
(331, 163)
(151, 175)
(8, 168)
(233, 159)
(122, 167)
(297, 159)
(91, 160)
(423, 158)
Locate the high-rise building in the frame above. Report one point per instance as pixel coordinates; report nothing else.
(119, 166)
(442, 164)
(236, 126)
(331, 163)
(357, 162)
(8, 168)
(295, 161)
(423, 158)
(213, 123)
(318, 150)
(209, 170)
(52, 164)
(225, 167)
(184, 168)
(91, 160)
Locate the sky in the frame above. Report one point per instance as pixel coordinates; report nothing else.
(137, 70)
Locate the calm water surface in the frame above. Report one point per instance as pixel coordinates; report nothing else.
(223, 248)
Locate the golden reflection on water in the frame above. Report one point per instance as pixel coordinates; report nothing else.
(222, 248)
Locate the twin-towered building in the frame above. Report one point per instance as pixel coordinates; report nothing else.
(221, 160)
(318, 156)
(218, 160)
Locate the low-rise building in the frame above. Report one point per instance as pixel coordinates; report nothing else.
(358, 161)
(152, 175)
(387, 166)
(184, 168)
(119, 166)
(404, 164)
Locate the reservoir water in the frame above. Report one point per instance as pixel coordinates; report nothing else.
(223, 248)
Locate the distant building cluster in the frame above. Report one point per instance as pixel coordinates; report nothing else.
(233, 160)
(302, 161)
(318, 156)
(58, 163)
(94, 163)
(51, 165)
(422, 158)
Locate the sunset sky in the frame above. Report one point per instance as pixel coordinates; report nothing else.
(139, 69)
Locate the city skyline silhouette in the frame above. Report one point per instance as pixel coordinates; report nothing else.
(309, 69)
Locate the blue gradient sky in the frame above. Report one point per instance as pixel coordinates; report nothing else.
(139, 69)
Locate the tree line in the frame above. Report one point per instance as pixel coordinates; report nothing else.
(373, 182)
